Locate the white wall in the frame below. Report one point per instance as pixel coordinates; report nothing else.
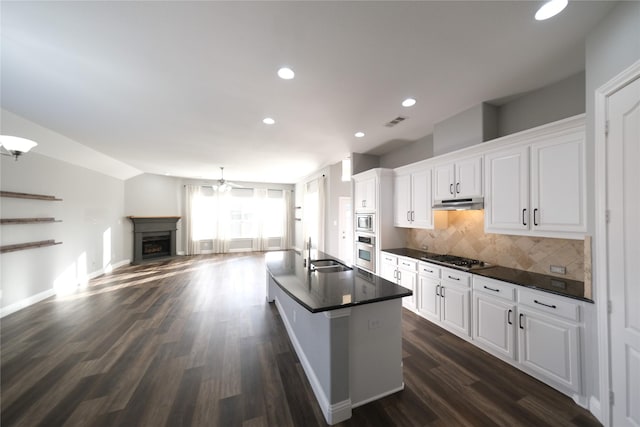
(92, 212)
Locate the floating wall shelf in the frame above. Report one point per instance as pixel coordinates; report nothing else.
(30, 245)
(28, 220)
(29, 196)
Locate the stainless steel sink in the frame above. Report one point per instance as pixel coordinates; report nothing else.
(328, 266)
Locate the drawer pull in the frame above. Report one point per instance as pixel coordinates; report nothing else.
(407, 264)
(428, 271)
(491, 289)
(453, 278)
(520, 321)
(546, 305)
(509, 316)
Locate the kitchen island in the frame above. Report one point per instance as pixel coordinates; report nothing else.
(345, 327)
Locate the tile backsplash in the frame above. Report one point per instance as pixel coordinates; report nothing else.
(465, 237)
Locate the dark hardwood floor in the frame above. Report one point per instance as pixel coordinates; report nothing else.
(192, 342)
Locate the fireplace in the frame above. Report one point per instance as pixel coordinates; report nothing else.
(153, 237)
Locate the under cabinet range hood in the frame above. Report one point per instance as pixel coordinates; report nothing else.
(475, 203)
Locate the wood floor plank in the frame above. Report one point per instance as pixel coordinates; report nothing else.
(192, 342)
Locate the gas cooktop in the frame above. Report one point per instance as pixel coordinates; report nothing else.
(457, 262)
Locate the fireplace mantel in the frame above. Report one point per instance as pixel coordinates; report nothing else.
(152, 226)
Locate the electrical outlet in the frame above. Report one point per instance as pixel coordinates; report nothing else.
(374, 323)
(558, 269)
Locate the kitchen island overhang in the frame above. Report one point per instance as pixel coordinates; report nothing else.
(345, 327)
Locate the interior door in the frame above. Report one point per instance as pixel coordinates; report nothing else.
(345, 230)
(623, 205)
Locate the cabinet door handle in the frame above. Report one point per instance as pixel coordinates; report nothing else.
(395, 274)
(408, 216)
(413, 216)
(535, 211)
(520, 321)
(509, 316)
(437, 293)
(451, 188)
(458, 188)
(399, 275)
(442, 291)
(491, 289)
(453, 278)
(523, 212)
(546, 305)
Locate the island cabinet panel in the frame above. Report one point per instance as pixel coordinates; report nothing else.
(346, 328)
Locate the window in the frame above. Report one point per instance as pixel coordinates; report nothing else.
(205, 215)
(243, 214)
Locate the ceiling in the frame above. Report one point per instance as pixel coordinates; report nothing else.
(181, 88)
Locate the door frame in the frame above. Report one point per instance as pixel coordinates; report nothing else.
(601, 235)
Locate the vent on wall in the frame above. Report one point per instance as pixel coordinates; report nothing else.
(395, 121)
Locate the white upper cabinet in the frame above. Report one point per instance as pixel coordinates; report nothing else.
(558, 184)
(412, 199)
(402, 200)
(365, 195)
(506, 205)
(459, 180)
(537, 187)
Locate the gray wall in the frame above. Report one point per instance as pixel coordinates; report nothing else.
(563, 99)
(92, 214)
(418, 150)
(611, 47)
(469, 127)
(363, 162)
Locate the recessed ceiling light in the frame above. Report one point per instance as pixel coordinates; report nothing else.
(359, 134)
(550, 9)
(268, 121)
(286, 73)
(409, 102)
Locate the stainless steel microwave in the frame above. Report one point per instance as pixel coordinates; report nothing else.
(365, 222)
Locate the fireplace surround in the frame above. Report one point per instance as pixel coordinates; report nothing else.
(153, 237)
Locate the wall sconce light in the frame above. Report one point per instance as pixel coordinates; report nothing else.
(16, 146)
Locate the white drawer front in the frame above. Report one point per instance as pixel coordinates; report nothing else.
(429, 270)
(551, 304)
(407, 264)
(456, 276)
(494, 288)
(388, 258)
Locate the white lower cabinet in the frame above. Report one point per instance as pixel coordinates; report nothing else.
(403, 271)
(444, 298)
(548, 348)
(535, 331)
(493, 324)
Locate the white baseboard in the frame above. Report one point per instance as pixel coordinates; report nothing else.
(24, 303)
(380, 396)
(333, 413)
(594, 408)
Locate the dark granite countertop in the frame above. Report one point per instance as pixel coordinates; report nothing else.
(318, 291)
(541, 282)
